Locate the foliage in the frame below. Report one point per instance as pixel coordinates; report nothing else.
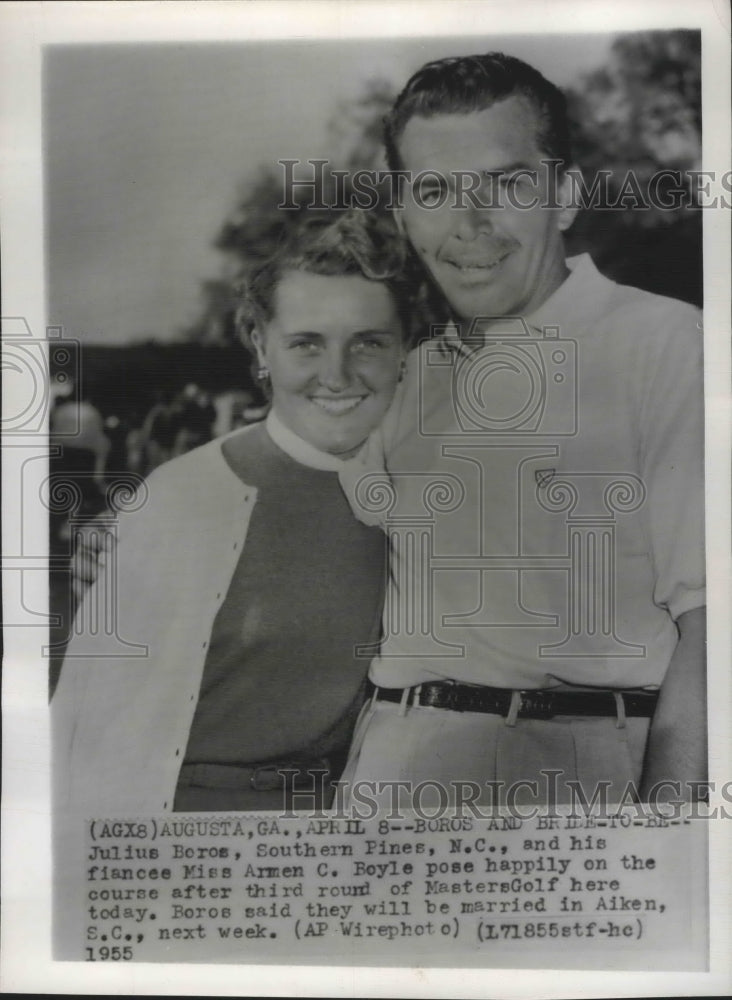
(639, 113)
(636, 116)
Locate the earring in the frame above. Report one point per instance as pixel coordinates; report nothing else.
(402, 370)
(263, 373)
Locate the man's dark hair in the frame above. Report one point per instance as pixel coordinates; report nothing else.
(463, 84)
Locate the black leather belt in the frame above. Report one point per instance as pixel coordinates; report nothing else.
(535, 704)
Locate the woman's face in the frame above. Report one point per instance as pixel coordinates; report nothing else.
(334, 351)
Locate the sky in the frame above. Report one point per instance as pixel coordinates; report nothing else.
(146, 147)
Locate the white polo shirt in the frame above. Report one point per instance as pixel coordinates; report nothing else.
(546, 495)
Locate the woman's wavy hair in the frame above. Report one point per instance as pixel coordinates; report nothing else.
(352, 242)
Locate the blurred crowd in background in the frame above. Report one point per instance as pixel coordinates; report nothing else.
(93, 449)
(170, 427)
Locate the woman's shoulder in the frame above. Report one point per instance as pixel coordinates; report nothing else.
(206, 466)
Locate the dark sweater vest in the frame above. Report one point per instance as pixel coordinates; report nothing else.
(283, 676)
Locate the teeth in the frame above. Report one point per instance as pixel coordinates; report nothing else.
(476, 267)
(471, 266)
(336, 407)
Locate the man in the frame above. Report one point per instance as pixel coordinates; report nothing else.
(545, 621)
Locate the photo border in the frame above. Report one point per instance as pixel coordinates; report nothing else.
(25, 28)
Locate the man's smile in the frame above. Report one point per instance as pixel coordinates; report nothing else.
(475, 265)
(336, 406)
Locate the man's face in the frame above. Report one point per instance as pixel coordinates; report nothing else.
(501, 260)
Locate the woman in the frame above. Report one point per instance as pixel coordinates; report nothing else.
(250, 591)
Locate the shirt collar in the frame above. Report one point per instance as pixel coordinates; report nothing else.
(576, 302)
(299, 449)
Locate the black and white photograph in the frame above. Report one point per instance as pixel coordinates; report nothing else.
(366, 458)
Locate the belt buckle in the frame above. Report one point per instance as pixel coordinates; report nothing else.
(537, 704)
(270, 777)
(266, 778)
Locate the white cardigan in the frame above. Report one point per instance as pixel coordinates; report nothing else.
(120, 723)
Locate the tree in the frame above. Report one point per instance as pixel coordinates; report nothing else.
(257, 224)
(639, 114)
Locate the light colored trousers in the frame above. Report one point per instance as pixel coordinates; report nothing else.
(439, 747)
